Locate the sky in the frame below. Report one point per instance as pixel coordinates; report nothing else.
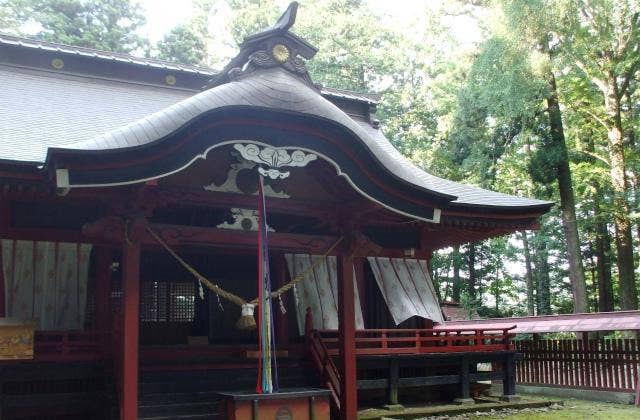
(162, 15)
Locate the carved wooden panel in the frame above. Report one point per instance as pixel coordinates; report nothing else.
(16, 339)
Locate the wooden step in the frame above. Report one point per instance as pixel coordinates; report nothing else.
(177, 397)
(180, 409)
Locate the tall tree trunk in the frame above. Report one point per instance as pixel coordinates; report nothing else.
(456, 286)
(602, 250)
(567, 202)
(542, 273)
(471, 285)
(624, 243)
(603, 261)
(631, 136)
(528, 275)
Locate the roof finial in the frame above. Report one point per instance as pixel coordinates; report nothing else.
(271, 47)
(288, 18)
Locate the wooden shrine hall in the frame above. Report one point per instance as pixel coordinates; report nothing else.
(129, 220)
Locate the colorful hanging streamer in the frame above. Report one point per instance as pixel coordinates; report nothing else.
(267, 366)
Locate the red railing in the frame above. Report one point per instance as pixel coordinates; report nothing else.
(609, 364)
(69, 346)
(421, 341)
(324, 365)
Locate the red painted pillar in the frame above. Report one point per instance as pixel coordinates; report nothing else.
(130, 330)
(346, 331)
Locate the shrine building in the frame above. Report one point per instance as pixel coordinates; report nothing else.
(129, 228)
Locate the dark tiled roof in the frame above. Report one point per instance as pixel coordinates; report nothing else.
(372, 98)
(278, 89)
(41, 109)
(149, 63)
(44, 109)
(102, 55)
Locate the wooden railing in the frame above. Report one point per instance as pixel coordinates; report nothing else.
(69, 346)
(611, 365)
(324, 365)
(422, 341)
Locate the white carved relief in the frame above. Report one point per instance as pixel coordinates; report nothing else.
(274, 158)
(273, 173)
(243, 219)
(230, 185)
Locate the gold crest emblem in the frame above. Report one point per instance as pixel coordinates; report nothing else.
(280, 53)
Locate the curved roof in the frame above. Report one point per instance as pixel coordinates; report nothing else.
(277, 89)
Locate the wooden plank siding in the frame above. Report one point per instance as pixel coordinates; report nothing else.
(606, 364)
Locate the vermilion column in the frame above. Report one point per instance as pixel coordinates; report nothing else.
(346, 330)
(130, 330)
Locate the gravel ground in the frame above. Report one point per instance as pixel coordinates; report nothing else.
(570, 409)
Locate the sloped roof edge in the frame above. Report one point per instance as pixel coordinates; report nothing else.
(279, 90)
(151, 63)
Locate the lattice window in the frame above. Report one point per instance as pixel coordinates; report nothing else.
(90, 312)
(153, 301)
(116, 296)
(182, 302)
(167, 302)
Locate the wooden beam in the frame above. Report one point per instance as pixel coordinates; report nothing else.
(410, 382)
(130, 330)
(156, 197)
(111, 229)
(346, 332)
(52, 235)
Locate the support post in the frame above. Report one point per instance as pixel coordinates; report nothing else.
(394, 379)
(509, 380)
(346, 331)
(464, 395)
(130, 330)
(103, 291)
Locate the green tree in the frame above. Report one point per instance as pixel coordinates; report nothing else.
(189, 43)
(183, 44)
(8, 17)
(602, 39)
(108, 25)
(529, 24)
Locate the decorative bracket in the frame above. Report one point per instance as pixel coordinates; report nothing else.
(243, 219)
(232, 183)
(274, 159)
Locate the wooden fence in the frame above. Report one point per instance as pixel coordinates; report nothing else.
(610, 364)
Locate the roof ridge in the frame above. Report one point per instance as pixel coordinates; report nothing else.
(8, 39)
